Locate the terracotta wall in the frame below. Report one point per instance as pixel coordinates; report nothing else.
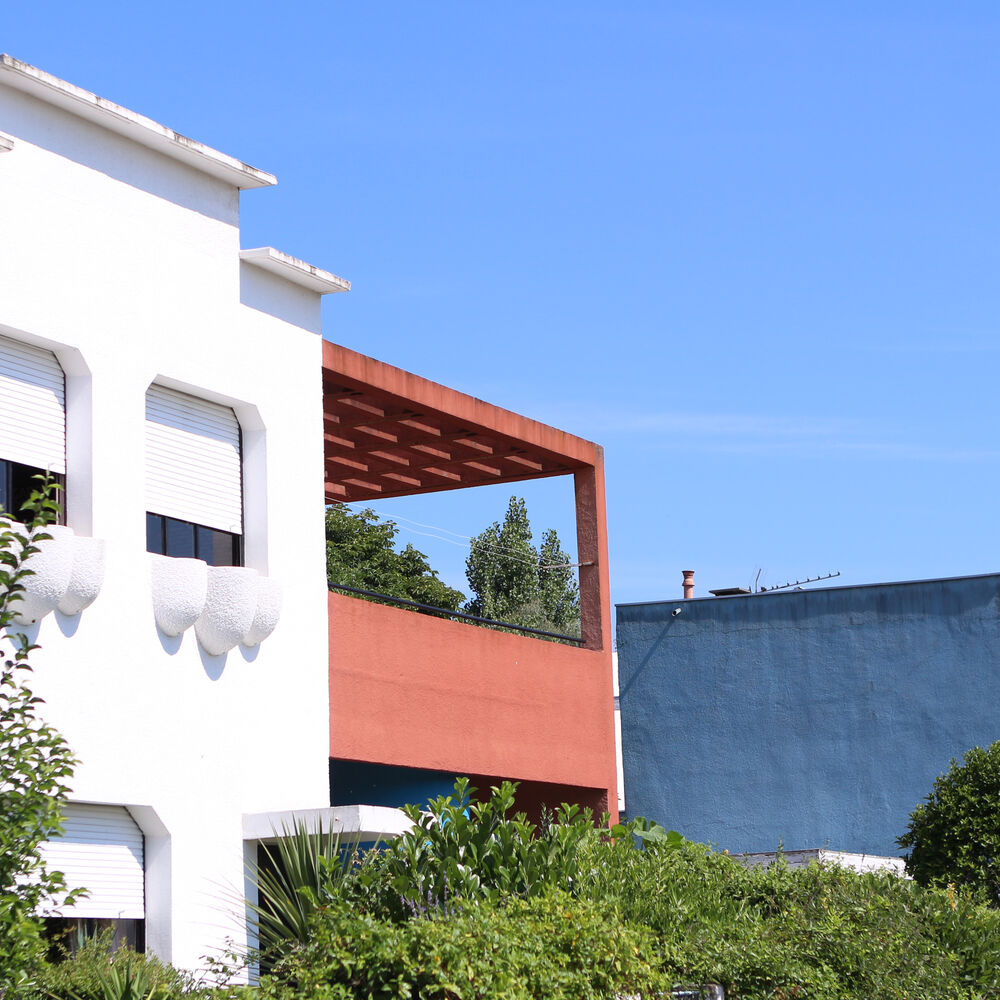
(418, 691)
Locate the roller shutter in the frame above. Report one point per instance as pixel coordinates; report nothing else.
(193, 467)
(101, 849)
(32, 407)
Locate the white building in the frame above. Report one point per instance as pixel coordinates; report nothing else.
(175, 380)
(181, 388)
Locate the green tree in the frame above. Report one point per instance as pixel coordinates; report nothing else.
(557, 587)
(35, 763)
(954, 834)
(360, 552)
(512, 581)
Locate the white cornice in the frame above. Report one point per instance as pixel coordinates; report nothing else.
(138, 128)
(295, 270)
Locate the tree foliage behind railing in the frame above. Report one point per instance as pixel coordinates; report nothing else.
(361, 553)
(512, 580)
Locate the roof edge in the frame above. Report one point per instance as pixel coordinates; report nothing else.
(140, 129)
(812, 590)
(295, 270)
(363, 370)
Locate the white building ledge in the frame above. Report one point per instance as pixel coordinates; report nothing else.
(295, 270)
(136, 127)
(845, 859)
(363, 822)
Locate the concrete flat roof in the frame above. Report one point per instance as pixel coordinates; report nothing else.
(138, 128)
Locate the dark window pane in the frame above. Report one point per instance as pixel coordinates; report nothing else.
(5, 486)
(154, 533)
(228, 550)
(203, 543)
(67, 934)
(218, 548)
(22, 484)
(180, 539)
(18, 482)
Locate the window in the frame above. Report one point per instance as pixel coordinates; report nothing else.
(171, 537)
(67, 934)
(100, 848)
(17, 483)
(32, 421)
(194, 484)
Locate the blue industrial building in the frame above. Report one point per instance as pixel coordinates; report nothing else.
(815, 718)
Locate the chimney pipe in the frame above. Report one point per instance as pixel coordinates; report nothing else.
(688, 583)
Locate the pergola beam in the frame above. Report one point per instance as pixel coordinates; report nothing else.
(390, 433)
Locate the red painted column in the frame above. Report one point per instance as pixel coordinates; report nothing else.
(592, 546)
(595, 590)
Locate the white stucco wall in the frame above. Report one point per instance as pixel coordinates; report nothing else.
(619, 770)
(125, 263)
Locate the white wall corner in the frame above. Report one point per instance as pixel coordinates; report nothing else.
(159, 876)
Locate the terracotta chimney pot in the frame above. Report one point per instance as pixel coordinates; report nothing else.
(688, 583)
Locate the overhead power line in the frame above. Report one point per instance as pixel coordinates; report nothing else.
(467, 541)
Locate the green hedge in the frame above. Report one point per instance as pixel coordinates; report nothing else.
(819, 932)
(551, 946)
(475, 904)
(642, 921)
(95, 973)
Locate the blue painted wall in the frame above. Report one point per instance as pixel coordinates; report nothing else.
(386, 784)
(816, 718)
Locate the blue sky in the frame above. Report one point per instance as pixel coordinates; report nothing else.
(749, 248)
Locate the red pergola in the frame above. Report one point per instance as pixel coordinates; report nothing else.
(390, 433)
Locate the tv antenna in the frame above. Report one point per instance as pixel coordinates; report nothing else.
(798, 583)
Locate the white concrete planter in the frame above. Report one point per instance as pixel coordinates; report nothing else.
(180, 588)
(52, 570)
(230, 608)
(267, 613)
(67, 573)
(228, 605)
(87, 577)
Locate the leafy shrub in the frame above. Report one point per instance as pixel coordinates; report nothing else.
(954, 835)
(820, 932)
(35, 762)
(463, 849)
(468, 904)
(94, 972)
(549, 946)
(303, 869)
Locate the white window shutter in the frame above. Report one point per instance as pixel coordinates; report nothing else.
(101, 850)
(193, 466)
(32, 407)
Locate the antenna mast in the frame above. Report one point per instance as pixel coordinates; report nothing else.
(799, 583)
